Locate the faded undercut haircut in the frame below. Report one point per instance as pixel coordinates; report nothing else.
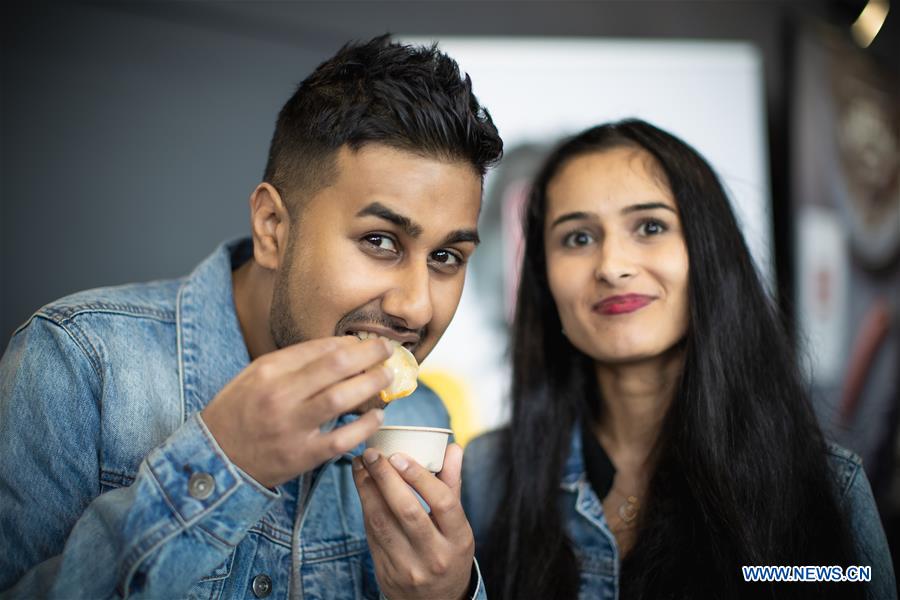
(411, 98)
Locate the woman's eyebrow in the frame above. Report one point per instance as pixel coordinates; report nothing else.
(584, 215)
(573, 216)
(647, 206)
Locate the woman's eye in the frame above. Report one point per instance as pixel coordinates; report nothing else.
(382, 242)
(577, 239)
(651, 227)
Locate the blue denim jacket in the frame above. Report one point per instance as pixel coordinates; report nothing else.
(595, 545)
(111, 485)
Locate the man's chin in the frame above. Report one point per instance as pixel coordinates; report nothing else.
(373, 402)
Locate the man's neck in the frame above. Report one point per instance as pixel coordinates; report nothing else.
(252, 290)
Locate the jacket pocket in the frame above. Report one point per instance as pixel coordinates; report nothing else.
(211, 586)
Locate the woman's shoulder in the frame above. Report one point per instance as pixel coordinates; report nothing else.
(482, 480)
(481, 461)
(845, 465)
(486, 445)
(864, 521)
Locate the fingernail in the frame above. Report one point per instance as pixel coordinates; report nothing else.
(389, 347)
(357, 464)
(399, 462)
(379, 414)
(370, 455)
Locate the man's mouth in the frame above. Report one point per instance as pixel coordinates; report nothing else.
(408, 341)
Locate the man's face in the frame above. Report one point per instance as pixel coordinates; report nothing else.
(381, 250)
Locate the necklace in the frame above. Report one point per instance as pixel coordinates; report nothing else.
(627, 510)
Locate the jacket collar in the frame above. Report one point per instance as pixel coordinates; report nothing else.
(575, 479)
(211, 348)
(574, 469)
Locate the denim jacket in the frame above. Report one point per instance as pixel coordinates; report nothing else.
(110, 483)
(595, 545)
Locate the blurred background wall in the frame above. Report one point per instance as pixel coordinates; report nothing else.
(132, 133)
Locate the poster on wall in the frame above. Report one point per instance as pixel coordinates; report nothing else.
(846, 217)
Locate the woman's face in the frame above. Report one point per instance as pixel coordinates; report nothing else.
(616, 258)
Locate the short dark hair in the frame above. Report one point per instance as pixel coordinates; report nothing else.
(408, 97)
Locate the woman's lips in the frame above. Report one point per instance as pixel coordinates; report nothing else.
(620, 305)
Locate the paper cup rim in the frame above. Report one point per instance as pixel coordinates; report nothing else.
(413, 428)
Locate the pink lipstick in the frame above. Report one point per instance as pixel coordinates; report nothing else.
(620, 305)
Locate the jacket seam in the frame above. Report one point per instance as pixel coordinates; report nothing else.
(91, 356)
(255, 529)
(66, 312)
(337, 556)
(848, 459)
(850, 481)
(186, 522)
(179, 349)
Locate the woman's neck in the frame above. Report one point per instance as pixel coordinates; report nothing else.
(636, 397)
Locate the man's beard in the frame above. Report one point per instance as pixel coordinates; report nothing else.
(282, 325)
(286, 331)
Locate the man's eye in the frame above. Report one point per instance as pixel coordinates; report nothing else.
(381, 242)
(446, 260)
(651, 227)
(446, 257)
(577, 239)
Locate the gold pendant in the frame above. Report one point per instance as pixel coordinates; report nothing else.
(628, 510)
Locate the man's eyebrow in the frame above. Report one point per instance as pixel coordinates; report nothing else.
(377, 209)
(462, 235)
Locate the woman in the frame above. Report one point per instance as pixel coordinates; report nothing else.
(661, 437)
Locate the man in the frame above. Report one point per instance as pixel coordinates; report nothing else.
(195, 437)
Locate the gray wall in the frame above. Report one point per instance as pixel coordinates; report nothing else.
(130, 144)
(131, 133)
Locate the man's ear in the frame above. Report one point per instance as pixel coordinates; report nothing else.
(271, 225)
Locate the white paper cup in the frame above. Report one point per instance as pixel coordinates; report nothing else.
(425, 445)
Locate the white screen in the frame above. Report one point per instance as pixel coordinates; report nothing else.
(708, 93)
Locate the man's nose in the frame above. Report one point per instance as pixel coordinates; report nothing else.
(409, 299)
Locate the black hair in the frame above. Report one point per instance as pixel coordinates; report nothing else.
(411, 98)
(740, 475)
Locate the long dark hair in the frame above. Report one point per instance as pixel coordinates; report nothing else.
(740, 474)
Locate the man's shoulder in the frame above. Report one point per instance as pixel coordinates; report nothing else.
(423, 408)
(108, 324)
(150, 300)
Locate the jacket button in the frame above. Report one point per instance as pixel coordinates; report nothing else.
(262, 586)
(201, 485)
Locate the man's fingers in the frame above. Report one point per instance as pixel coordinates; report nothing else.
(347, 437)
(343, 397)
(451, 473)
(384, 533)
(446, 509)
(337, 365)
(400, 500)
(299, 355)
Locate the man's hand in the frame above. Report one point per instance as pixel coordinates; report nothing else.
(416, 555)
(267, 418)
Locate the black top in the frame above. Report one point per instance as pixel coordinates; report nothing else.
(600, 470)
